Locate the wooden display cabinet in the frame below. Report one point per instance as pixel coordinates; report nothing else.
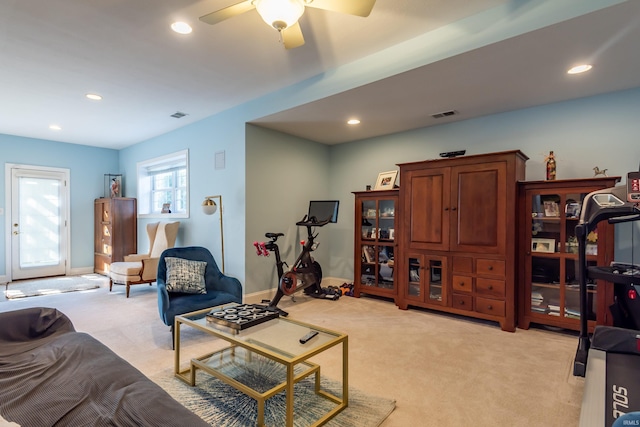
(115, 231)
(458, 235)
(548, 283)
(375, 243)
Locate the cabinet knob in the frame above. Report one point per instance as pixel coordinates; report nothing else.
(454, 208)
(490, 267)
(461, 284)
(461, 302)
(446, 209)
(489, 307)
(490, 287)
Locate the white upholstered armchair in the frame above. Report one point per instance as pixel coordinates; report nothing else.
(142, 268)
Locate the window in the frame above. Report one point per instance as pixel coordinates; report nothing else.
(163, 182)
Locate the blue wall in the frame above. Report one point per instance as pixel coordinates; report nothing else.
(583, 133)
(596, 131)
(87, 166)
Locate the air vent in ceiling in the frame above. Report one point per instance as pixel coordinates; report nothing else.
(444, 114)
(178, 114)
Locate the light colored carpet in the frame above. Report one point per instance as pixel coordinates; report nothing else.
(441, 370)
(53, 285)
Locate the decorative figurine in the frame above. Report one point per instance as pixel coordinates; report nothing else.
(115, 188)
(551, 166)
(597, 171)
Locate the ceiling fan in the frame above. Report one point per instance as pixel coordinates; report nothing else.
(283, 15)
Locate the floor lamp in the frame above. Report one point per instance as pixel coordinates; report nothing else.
(209, 207)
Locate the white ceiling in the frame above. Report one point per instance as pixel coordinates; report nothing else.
(53, 52)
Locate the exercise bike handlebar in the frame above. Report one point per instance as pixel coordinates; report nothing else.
(313, 222)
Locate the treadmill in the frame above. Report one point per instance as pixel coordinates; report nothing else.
(610, 359)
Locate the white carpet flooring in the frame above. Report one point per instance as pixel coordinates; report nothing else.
(441, 370)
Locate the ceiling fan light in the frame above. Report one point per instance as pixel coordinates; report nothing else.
(280, 14)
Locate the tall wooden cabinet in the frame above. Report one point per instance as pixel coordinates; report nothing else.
(457, 248)
(549, 292)
(375, 243)
(115, 231)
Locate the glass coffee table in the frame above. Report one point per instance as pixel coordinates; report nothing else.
(278, 341)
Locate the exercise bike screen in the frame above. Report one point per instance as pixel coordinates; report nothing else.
(323, 210)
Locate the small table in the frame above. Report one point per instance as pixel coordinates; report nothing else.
(277, 340)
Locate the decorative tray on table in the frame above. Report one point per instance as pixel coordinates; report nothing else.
(234, 319)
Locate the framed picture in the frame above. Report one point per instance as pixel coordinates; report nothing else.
(572, 210)
(543, 245)
(386, 180)
(392, 234)
(551, 209)
(166, 208)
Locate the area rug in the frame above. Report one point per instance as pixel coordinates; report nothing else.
(53, 285)
(223, 406)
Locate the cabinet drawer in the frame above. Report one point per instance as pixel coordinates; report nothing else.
(462, 284)
(491, 287)
(490, 306)
(462, 264)
(463, 302)
(490, 267)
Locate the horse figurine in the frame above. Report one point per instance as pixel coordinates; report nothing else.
(597, 171)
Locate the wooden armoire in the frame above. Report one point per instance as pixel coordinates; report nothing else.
(115, 231)
(457, 248)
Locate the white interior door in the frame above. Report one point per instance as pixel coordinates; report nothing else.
(38, 222)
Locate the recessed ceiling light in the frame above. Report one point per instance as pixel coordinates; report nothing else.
(55, 127)
(94, 96)
(353, 122)
(579, 69)
(181, 28)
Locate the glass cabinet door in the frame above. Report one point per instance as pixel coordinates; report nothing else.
(377, 235)
(427, 279)
(554, 256)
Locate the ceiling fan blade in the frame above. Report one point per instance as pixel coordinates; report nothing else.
(352, 7)
(292, 36)
(227, 12)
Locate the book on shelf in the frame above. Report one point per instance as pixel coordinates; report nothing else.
(369, 254)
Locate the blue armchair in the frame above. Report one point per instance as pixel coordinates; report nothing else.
(221, 289)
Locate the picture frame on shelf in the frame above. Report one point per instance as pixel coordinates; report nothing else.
(543, 245)
(551, 209)
(572, 209)
(386, 180)
(392, 234)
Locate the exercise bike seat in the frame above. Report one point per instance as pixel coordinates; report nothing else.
(273, 235)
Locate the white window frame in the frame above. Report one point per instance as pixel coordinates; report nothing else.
(145, 201)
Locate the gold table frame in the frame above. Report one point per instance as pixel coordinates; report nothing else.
(277, 340)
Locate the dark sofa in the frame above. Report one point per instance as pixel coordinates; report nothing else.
(52, 375)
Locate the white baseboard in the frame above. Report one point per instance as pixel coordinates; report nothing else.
(257, 297)
(79, 271)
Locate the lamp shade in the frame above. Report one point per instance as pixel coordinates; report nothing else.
(280, 14)
(209, 207)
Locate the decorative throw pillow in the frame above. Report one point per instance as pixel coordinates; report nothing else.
(185, 275)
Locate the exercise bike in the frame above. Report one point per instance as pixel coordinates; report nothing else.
(305, 274)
